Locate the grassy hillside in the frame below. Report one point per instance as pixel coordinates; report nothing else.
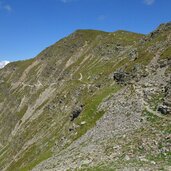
(56, 101)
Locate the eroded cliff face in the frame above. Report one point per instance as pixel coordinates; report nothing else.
(94, 100)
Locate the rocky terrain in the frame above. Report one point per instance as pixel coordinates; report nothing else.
(92, 101)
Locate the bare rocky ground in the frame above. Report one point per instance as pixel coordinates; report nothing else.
(123, 119)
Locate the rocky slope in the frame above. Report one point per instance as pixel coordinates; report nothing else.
(92, 101)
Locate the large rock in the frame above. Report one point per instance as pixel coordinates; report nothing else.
(121, 77)
(164, 110)
(76, 112)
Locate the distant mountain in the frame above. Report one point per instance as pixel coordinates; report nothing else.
(3, 63)
(92, 101)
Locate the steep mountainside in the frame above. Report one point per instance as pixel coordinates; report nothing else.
(92, 101)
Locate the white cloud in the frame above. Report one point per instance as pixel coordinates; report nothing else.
(3, 63)
(149, 2)
(66, 1)
(5, 7)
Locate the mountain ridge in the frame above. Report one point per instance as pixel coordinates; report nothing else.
(64, 108)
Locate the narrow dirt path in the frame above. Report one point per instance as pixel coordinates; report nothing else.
(81, 77)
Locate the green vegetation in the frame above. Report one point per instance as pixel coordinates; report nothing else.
(91, 114)
(156, 99)
(166, 54)
(28, 161)
(22, 111)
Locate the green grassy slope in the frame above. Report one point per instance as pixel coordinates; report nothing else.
(38, 96)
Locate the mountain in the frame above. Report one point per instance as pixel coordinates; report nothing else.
(92, 101)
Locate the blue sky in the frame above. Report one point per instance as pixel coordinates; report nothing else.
(29, 26)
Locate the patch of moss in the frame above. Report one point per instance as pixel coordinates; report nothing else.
(156, 99)
(28, 160)
(90, 113)
(166, 54)
(22, 111)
